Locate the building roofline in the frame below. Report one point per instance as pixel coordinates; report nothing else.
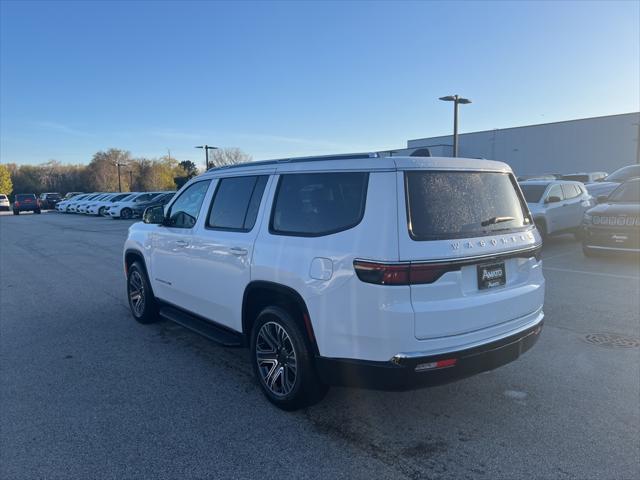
(525, 126)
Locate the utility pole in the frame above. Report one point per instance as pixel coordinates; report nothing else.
(456, 99)
(206, 149)
(130, 179)
(118, 164)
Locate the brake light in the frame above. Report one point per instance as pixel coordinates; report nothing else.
(16, 203)
(400, 273)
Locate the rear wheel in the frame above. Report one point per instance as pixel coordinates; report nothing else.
(16, 212)
(542, 229)
(282, 361)
(141, 300)
(126, 213)
(588, 252)
(101, 211)
(37, 212)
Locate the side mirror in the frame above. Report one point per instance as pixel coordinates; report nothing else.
(553, 199)
(602, 198)
(154, 215)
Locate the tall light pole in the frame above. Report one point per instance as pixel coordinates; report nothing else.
(456, 99)
(206, 153)
(118, 164)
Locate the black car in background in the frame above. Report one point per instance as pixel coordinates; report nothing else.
(161, 199)
(48, 201)
(25, 202)
(614, 224)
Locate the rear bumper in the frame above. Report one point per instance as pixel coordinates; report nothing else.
(400, 373)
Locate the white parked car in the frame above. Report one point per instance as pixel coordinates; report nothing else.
(557, 206)
(83, 206)
(125, 208)
(393, 273)
(99, 207)
(4, 202)
(68, 206)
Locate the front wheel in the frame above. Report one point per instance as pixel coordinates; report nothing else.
(283, 362)
(126, 213)
(141, 300)
(101, 212)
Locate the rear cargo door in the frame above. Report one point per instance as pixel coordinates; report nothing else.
(461, 231)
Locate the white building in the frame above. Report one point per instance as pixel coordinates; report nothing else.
(588, 144)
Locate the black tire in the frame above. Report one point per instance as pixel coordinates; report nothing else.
(37, 212)
(16, 212)
(101, 212)
(588, 252)
(126, 213)
(542, 229)
(138, 282)
(292, 348)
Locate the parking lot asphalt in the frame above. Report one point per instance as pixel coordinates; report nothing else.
(86, 392)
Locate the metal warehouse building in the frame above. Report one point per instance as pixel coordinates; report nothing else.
(589, 144)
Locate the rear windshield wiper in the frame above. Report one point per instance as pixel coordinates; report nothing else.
(494, 220)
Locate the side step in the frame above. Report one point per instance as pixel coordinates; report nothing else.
(210, 330)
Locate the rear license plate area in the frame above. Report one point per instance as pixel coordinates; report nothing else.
(491, 275)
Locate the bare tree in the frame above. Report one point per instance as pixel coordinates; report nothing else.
(228, 156)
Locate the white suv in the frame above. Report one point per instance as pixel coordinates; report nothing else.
(389, 273)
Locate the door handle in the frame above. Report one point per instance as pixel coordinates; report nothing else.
(238, 251)
(182, 243)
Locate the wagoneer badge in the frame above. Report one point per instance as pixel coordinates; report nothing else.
(493, 241)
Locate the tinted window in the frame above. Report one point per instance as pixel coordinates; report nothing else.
(576, 178)
(184, 211)
(117, 198)
(570, 190)
(627, 193)
(624, 173)
(24, 196)
(533, 193)
(145, 197)
(556, 191)
(236, 202)
(313, 204)
(462, 204)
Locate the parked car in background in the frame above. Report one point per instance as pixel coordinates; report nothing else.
(75, 204)
(25, 202)
(392, 273)
(63, 205)
(612, 181)
(68, 195)
(48, 201)
(128, 196)
(546, 176)
(614, 224)
(83, 206)
(4, 202)
(557, 206)
(99, 207)
(125, 209)
(585, 177)
(161, 199)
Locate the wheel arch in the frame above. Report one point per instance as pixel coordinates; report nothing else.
(260, 294)
(131, 255)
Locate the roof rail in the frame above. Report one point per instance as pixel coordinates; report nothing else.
(343, 156)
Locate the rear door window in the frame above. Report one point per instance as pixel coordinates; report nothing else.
(236, 202)
(448, 204)
(315, 204)
(570, 190)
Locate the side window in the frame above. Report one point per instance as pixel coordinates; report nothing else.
(570, 191)
(184, 211)
(236, 202)
(315, 204)
(555, 191)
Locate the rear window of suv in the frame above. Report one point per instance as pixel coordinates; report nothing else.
(442, 205)
(315, 204)
(23, 196)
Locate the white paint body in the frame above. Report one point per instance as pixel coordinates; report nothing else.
(206, 271)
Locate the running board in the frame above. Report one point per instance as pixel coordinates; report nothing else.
(204, 327)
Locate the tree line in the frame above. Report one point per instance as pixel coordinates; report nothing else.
(101, 173)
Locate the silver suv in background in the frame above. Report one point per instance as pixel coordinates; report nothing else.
(557, 206)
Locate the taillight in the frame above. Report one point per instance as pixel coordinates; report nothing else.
(400, 273)
(16, 203)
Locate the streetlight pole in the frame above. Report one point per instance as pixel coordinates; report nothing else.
(206, 149)
(456, 99)
(118, 164)
(130, 180)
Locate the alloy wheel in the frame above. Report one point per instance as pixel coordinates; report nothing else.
(276, 359)
(136, 293)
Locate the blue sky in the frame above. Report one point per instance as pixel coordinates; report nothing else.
(293, 78)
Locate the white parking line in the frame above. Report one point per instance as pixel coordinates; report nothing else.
(558, 255)
(598, 274)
